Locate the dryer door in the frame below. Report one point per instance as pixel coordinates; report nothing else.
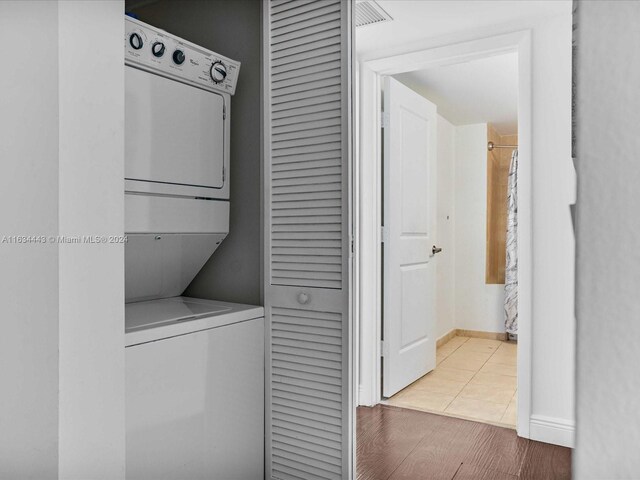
(174, 132)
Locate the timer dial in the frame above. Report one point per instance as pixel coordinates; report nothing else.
(218, 72)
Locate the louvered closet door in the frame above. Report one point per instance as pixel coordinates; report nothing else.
(307, 157)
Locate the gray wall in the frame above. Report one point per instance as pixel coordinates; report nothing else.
(231, 28)
(608, 240)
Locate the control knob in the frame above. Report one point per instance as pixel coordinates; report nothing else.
(218, 72)
(178, 57)
(135, 40)
(157, 49)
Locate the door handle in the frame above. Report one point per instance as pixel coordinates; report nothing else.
(435, 250)
(303, 298)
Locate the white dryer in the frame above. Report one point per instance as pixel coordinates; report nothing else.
(177, 112)
(194, 367)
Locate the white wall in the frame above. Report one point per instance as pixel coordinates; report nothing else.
(62, 155)
(445, 218)
(478, 306)
(553, 350)
(464, 300)
(608, 234)
(29, 272)
(553, 322)
(91, 276)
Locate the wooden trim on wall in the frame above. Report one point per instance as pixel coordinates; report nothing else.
(459, 332)
(446, 337)
(480, 334)
(498, 162)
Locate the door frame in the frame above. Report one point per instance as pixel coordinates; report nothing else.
(368, 207)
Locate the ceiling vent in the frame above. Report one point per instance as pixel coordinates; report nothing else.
(369, 12)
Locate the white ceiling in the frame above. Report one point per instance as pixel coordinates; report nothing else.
(418, 20)
(479, 91)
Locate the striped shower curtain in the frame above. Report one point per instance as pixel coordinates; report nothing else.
(511, 269)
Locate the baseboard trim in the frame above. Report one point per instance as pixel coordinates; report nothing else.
(446, 337)
(556, 431)
(480, 334)
(364, 399)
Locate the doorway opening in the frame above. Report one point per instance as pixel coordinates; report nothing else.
(447, 213)
(438, 340)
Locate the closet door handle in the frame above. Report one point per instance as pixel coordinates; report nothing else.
(303, 298)
(435, 250)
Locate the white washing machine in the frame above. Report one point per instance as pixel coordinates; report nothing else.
(194, 367)
(194, 390)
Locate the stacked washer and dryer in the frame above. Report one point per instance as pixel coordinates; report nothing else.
(194, 367)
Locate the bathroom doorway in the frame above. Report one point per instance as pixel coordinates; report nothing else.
(464, 364)
(450, 140)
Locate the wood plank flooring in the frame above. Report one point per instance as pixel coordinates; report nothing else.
(402, 444)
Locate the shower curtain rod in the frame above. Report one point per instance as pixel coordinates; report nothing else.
(491, 146)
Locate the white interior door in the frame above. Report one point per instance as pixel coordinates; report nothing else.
(409, 222)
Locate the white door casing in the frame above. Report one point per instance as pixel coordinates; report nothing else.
(488, 43)
(409, 236)
(307, 155)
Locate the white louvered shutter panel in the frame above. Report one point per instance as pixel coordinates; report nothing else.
(307, 248)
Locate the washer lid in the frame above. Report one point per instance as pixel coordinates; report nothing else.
(153, 320)
(155, 313)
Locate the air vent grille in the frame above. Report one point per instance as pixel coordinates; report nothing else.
(369, 12)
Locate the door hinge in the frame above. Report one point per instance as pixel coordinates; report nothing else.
(384, 233)
(384, 120)
(224, 112)
(382, 353)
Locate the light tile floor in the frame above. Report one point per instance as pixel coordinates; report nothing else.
(474, 379)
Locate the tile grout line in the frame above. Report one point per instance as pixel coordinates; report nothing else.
(468, 381)
(474, 376)
(454, 349)
(455, 396)
(465, 383)
(507, 407)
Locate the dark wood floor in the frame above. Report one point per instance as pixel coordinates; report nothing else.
(401, 444)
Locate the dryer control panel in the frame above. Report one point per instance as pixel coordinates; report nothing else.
(155, 50)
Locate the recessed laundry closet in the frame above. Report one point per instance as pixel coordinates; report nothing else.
(194, 361)
(236, 171)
